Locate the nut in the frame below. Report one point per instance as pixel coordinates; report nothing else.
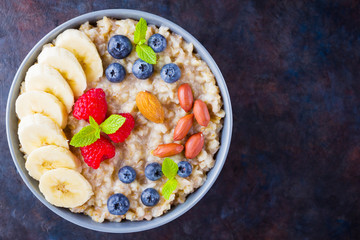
(150, 107)
(185, 96)
(167, 150)
(201, 113)
(194, 145)
(183, 126)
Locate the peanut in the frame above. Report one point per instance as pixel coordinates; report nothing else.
(167, 150)
(201, 113)
(194, 145)
(185, 96)
(183, 126)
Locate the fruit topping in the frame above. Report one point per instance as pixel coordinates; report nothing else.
(118, 204)
(92, 103)
(119, 46)
(201, 113)
(127, 174)
(67, 64)
(37, 130)
(183, 126)
(170, 73)
(115, 72)
(84, 50)
(150, 107)
(50, 157)
(157, 42)
(124, 131)
(41, 77)
(185, 169)
(194, 145)
(32, 102)
(97, 152)
(167, 150)
(64, 187)
(142, 69)
(185, 96)
(150, 197)
(153, 171)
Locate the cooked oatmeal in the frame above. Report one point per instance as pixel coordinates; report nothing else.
(147, 135)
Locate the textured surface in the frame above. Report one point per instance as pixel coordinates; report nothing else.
(293, 73)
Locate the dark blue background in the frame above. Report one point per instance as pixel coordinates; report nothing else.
(292, 69)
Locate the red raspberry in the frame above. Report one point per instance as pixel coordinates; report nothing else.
(97, 152)
(125, 130)
(92, 103)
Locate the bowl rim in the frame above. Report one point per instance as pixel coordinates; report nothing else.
(81, 219)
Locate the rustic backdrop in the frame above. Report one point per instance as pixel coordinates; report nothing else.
(292, 69)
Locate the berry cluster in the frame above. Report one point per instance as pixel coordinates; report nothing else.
(93, 103)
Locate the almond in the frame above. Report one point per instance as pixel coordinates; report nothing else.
(194, 145)
(167, 150)
(201, 113)
(185, 96)
(150, 107)
(183, 126)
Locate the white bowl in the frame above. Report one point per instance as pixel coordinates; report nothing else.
(81, 219)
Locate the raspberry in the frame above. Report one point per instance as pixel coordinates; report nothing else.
(125, 130)
(92, 103)
(97, 152)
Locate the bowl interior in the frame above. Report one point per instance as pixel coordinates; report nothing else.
(81, 219)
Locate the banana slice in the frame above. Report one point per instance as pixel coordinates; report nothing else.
(84, 50)
(64, 187)
(50, 157)
(41, 102)
(44, 78)
(38, 130)
(67, 64)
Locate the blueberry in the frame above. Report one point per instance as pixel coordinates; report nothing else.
(118, 204)
(153, 171)
(157, 42)
(142, 69)
(115, 72)
(150, 197)
(170, 73)
(119, 46)
(127, 174)
(185, 169)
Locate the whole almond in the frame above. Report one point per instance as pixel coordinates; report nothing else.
(201, 113)
(167, 150)
(150, 107)
(186, 98)
(183, 126)
(194, 145)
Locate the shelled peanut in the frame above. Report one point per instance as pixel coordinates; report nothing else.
(195, 143)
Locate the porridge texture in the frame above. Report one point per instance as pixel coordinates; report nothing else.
(147, 135)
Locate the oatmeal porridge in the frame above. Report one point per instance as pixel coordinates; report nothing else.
(137, 150)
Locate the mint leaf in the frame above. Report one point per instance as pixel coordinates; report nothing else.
(93, 123)
(168, 188)
(146, 53)
(112, 124)
(86, 136)
(169, 168)
(142, 41)
(140, 30)
(97, 133)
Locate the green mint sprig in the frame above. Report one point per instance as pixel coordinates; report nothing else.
(86, 136)
(169, 169)
(89, 134)
(144, 52)
(112, 124)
